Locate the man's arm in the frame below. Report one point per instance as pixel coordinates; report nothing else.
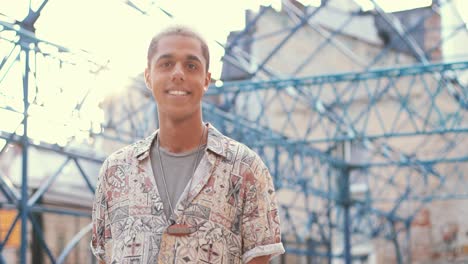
(260, 226)
(260, 260)
(99, 216)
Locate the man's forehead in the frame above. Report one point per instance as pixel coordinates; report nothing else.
(179, 46)
(180, 40)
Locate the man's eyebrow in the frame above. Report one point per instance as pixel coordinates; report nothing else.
(193, 57)
(171, 56)
(165, 56)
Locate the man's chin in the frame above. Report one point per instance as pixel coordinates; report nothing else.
(180, 116)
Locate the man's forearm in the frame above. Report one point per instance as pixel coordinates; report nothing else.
(260, 260)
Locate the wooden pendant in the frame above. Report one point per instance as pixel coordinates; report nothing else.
(180, 230)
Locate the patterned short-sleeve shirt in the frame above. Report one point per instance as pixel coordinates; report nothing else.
(231, 203)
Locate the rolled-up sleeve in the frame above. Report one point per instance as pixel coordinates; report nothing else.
(101, 232)
(261, 234)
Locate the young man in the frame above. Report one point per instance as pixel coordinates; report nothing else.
(187, 193)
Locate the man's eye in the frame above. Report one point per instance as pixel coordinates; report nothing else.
(165, 64)
(192, 66)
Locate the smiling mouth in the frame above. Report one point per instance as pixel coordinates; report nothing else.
(178, 93)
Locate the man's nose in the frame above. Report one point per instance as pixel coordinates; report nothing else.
(178, 73)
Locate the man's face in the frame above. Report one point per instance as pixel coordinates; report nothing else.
(177, 76)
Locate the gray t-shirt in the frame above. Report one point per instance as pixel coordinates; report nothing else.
(178, 168)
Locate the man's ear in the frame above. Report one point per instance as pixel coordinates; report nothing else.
(147, 79)
(207, 81)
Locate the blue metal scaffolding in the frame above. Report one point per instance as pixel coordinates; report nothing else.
(360, 153)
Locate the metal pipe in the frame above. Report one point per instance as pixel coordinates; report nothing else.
(46, 184)
(24, 165)
(69, 247)
(250, 86)
(85, 177)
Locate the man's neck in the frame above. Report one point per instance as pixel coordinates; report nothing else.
(177, 137)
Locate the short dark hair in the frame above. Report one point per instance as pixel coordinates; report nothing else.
(178, 31)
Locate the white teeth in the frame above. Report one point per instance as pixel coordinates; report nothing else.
(178, 93)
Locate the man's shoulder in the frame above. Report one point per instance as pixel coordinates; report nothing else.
(131, 151)
(241, 152)
(232, 145)
(242, 148)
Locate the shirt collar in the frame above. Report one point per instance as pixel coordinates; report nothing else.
(216, 143)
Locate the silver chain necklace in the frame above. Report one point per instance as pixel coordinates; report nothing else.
(193, 170)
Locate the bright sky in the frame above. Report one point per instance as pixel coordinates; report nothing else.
(112, 30)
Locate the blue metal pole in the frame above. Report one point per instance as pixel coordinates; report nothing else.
(347, 243)
(307, 82)
(46, 184)
(10, 65)
(85, 176)
(345, 199)
(246, 30)
(304, 20)
(24, 180)
(39, 235)
(276, 169)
